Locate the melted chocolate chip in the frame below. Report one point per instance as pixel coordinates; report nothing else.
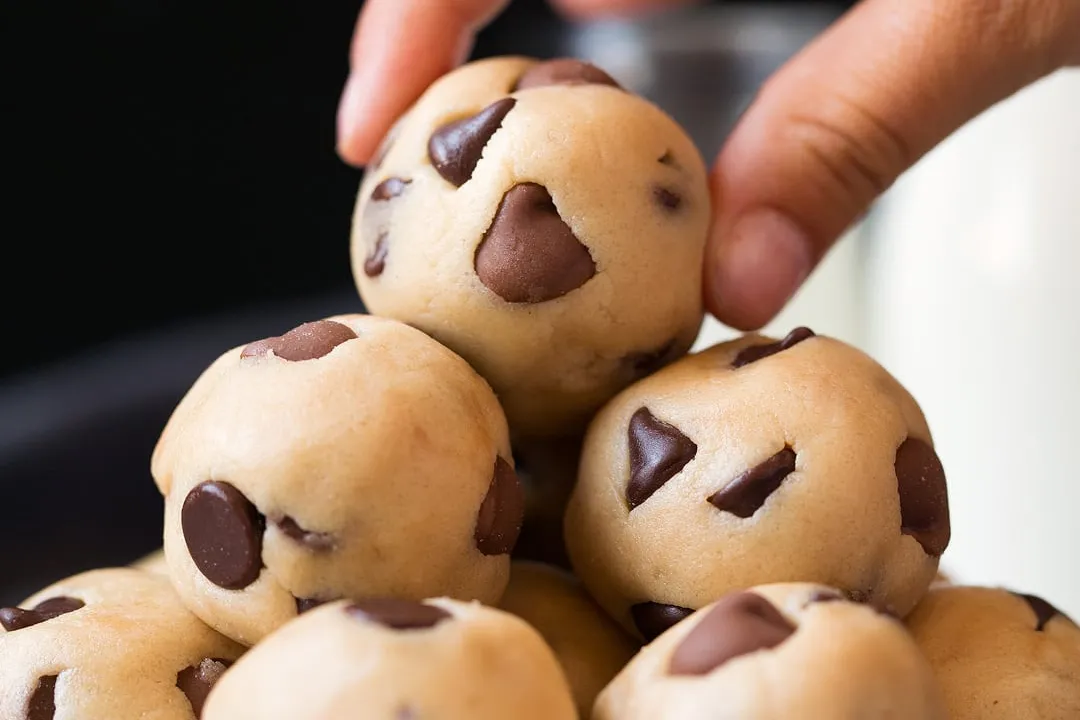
(317, 541)
(498, 523)
(653, 619)
(42, 703)
(748, 492)
(924, 499)
(456, 148)
(757, 352)
(197, 681)
(563, 71)
(1044, 611)
(667, 198)
(375, 263)
(737, 625)
(13, 618)
(305, 604)
(529, 254)
(309, 341)
(389, 189)
(658, 452)
(398, 614)
(223, 531)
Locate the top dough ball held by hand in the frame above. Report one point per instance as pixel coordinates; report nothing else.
(546, 225)
(757, 461)
(349, 458)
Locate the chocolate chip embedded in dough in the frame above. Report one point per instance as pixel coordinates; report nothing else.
(529, 254)
(737, 625)
(758, 352)
(563, 71)
(309, 341)
(398, 614)
(668, 159)
(653, 619)
(197, 681)
(389, 189)
(924, 498)
(375, 263)
(658, 452)
(745, 494)
(42, 702)
(1044, 611)
(317, 541)
(13, 618)
(498, 523)
(456, 148)
(667, 198)
(223, 531)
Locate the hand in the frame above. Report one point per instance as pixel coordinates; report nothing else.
(827, 134)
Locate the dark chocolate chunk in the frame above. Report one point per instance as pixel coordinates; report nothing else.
(309, 341)
(498, 523)
(398, 614)
(1044, 611)
(316, 541)
(13, 618)
(389, 188)
(456, 148)
(563, 71)
(749, 491)
(924, 499)
(529, 254)
(305, 604)
(658, 451)
(223, 531)
(667, 198)
(653, 619)
(197, 681)
(42, 703)
(375, 263)
(737, 625)
(757, 352)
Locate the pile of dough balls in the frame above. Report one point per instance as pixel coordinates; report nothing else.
(511, 492)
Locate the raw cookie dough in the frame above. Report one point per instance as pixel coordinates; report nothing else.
(547, 468)
(349, 458)
(107, 644)
(757, 461)
(544, 223)
(777, 652)
(589, 645)
(397, 660)
(1000, 655)
(154, 562)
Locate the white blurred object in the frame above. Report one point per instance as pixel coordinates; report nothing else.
(972, 302)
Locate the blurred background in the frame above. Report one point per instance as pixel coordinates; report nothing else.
(172, 190)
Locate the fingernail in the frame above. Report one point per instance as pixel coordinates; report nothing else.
(349, 112)
(758, 267)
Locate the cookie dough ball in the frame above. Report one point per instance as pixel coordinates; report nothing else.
(108, 644)
(544, 223)
(777, 652)
(591, 648)
(1000, 655)
(154, 562)
(547, 468)
(349, 458)
(396, 660)
(752, 462)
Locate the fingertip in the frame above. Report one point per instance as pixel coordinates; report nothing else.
(354, 144)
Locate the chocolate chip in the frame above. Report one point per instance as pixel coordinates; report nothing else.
(924, 499)
(529, 254)
(667, 198)
(398, 614)
(658, 451)
(668, 159)
(305, 604)
(375, 263)
(498, 523)
(749, 491)
(317, 541)
(389, 189)
(309, 341)
(758, 352)
(13, 618)
(42, 703)
(197, 681)
(456, 148)
(1044, 611)
(824, 595)
(643, 364)
(737, 625)
(653, 619)
(223, 532)
(563, 71)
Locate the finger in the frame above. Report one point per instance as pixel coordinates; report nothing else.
(838, 124)
(399, 48)
(589, 9)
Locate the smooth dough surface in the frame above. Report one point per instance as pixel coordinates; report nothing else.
(473, 663)
(1000, 655)
(126, 648)
(793, 650)
(623, 178)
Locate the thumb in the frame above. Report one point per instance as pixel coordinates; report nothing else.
(836, 126)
